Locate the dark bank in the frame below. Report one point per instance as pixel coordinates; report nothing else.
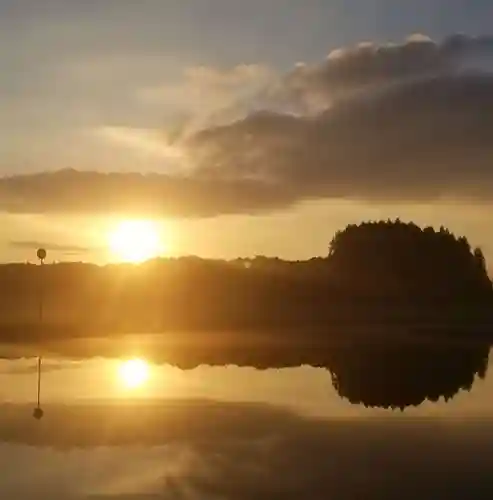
(376, 277)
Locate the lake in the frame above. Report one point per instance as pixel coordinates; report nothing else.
(125, 429)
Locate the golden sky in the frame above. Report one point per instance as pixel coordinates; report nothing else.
(298, 233)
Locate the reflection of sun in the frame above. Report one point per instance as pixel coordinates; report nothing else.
(134, 373)
(135, 241)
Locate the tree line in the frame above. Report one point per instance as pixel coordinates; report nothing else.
(377, 271)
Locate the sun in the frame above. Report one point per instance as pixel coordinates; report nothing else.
(135, 241)
(134, 373)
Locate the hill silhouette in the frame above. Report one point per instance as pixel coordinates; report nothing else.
(384, 273)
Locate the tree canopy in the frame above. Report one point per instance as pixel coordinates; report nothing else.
(401, 259)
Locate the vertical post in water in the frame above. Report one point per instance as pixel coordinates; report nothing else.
(41, 254)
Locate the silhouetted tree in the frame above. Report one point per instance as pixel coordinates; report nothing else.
(400, 261)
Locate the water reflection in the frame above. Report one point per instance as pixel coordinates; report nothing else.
(396, 375)
(239, 451)
(243, 432)
(395, 372)
(381, 375)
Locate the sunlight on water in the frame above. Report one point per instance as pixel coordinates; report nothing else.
(128, 428)
(304, 389)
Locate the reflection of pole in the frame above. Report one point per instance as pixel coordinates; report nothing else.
(39, 381)
(41, 253)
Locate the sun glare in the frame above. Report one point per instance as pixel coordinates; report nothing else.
(134, 373)
(135, 241)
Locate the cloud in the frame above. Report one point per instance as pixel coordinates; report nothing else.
(67, 249)
(30, 366)
(368, 66)
(208, 96)
(213, 83)
(70, 191)
(145, 142)
(418, 141)
(395, 123)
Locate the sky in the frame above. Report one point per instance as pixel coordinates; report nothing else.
(242, 128)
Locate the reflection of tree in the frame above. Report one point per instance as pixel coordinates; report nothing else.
(390, 372)
(396, 376)
(381, 373)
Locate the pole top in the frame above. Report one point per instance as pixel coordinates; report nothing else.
(41, 254)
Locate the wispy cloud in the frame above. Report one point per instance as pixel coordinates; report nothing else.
(27, 367)
(206, 96)
(145, 142)
(67, 249)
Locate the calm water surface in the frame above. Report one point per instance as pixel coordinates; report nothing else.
(231, 432)
(304, 389)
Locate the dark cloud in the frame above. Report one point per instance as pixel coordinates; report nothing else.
(350, 69)
(417, 141)
(197, 450)
(419, 128)
(70, 191)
